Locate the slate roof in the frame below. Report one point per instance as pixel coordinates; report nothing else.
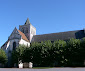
(23, 36)
(5, 43)
(78, 34)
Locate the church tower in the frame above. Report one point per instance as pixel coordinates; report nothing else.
(28, 29)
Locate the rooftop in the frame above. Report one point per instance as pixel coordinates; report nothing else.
(77, 34)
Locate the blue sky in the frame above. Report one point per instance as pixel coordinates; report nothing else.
(48, 16)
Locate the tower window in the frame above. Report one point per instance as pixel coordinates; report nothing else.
(26, 31)
(23, 30)
(14, 45)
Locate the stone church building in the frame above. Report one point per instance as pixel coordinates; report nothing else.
(27, 34)
(22, 36)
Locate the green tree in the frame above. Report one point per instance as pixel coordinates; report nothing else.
(40, 53)
(36, 53)
(3, 57)
(27, 55)
(73, 46)
(45, 53)
(17, 55)
(81, 52)
(58, 52)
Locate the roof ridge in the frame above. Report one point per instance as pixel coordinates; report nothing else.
(57, 32)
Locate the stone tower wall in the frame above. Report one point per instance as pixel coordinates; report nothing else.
(32, 32)
(28, 30)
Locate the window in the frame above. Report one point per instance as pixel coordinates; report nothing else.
(22, 30)
(26, 31)
(14, 45)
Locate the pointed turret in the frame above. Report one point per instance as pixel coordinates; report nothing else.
(27, 21)
(15, 30)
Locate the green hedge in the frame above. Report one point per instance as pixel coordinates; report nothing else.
(57, 53)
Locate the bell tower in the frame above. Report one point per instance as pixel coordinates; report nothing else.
(28, 29)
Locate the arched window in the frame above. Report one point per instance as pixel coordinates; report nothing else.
(14, 45)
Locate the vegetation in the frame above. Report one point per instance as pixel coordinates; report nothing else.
(50, 54)
(18, 54)
(3, 57)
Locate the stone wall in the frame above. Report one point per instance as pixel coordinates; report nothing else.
(23, 42)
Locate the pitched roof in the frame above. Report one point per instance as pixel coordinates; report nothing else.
(4, 44)
(23, 36)
(78, 34)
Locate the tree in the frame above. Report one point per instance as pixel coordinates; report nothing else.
(40, 53)
(73, 46)
(3, 57)
(27, 55)
(58, 52)
(81, 51)
(45, 53)
(36, 49)
(17, 54)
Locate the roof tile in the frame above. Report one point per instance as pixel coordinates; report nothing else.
(23, 36)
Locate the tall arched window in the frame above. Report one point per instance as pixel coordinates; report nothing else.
(14, 45)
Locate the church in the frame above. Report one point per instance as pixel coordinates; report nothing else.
(27, 34)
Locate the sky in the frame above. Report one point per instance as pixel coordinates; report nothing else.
(48, 16)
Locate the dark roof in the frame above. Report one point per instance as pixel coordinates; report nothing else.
(4, 44)
(78, 34)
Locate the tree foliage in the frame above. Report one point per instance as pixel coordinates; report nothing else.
(58, 47)
(17, 54)
(3, 57)
(71, 53)
(57, 53)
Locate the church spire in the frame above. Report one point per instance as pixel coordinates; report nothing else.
(27, 21)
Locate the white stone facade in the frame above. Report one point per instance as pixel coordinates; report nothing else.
(23, 42)
(23, 36)
(32, 32)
